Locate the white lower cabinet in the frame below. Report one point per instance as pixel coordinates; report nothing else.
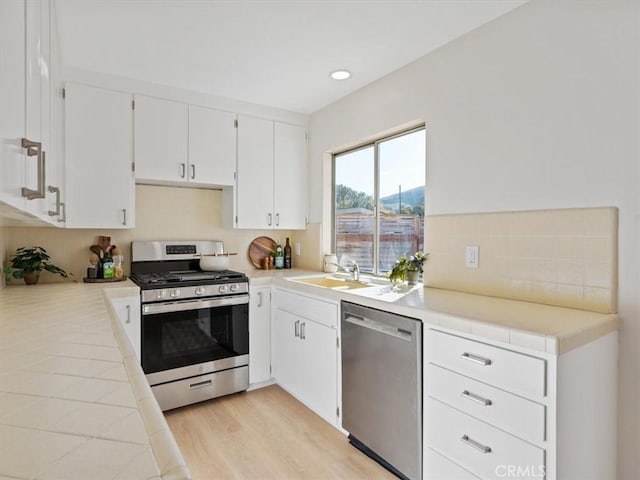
(128, 311)
(438, 467)
(305, 353)
(494, 412)
(259, 334)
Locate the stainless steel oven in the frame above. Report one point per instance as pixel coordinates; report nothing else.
(195, 326)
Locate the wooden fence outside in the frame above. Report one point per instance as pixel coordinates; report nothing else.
(399, 235)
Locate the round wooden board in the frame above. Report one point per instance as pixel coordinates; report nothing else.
(261, 247)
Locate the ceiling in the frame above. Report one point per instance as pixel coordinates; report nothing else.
(272, 53)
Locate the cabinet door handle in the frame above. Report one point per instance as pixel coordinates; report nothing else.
(476, 359)
(277, 219)
(128, 320)
(124, 216)
(302, 329)
(56, 190)
(64, 213)
(477, 445)
(270, 217)
(259, 299)
(35, 149)
(193, 172)
(183, 170)
(296, 328)
(476, 398)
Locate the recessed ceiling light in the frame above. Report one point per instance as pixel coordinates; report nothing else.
(340, 74)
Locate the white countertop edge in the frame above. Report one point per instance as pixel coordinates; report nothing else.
(414, 306)
(168, 457)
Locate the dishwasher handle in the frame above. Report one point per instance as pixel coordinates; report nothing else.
(378, 326)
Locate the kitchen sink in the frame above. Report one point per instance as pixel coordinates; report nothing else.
(333, 283)
(368, 286)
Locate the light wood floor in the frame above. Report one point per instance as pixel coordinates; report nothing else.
(265, 434)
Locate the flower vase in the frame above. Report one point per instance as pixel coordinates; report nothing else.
(413, 277)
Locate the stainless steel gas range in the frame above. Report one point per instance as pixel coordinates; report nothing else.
(195, 324)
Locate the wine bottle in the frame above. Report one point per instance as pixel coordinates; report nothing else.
(278, 257)
(287, 254)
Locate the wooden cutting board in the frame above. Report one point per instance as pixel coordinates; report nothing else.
(261, 247)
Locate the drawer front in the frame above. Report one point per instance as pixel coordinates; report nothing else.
(506, 369)
(322, 312)
(509, 412)
(437, 467)
(478, 447)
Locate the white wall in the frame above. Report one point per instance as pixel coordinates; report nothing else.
(538, 109)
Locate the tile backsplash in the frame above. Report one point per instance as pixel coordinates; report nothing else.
(162, 213)
(562, 257)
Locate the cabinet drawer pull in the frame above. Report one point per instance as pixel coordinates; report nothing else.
(259, 299)
(296, 328)
(64, 213)
(302, 328)
(476, 359)
(206, 383)
(476, 398)
(56, 190)
(477, 445)
(128, 320)
(34, 149)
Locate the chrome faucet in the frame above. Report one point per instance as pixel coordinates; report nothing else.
(355, 271)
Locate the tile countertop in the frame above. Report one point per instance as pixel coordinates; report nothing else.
(544, 328)
(74, 402)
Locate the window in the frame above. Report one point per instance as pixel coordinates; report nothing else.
(379, 192)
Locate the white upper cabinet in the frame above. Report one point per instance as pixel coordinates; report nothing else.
(290, 179)
(255, 173)
(26, 161)
(99, 158)
(212, 146)
(271, 184)
(12, 96)
(161, 139)
(177, 143)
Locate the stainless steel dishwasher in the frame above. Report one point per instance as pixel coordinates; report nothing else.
(382, 387)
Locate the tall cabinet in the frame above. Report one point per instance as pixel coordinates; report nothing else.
(26, 164)
(99, 158)
(272, 182)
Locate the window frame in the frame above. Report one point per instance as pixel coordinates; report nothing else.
(376, 188)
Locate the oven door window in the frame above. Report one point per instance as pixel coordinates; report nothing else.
(177, 339)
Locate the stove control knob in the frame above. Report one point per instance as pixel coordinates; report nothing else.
(175, 293)
(222, 289)
(160, 294)
(199, 291)
(234, 287)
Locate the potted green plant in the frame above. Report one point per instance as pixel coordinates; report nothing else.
(27, 263)
(408, 268)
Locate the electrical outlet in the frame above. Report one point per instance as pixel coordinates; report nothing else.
(471, 256)
(297, 248)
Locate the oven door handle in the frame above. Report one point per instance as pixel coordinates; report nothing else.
(193, 305)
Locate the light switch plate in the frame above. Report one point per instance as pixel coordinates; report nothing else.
(471, 256)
